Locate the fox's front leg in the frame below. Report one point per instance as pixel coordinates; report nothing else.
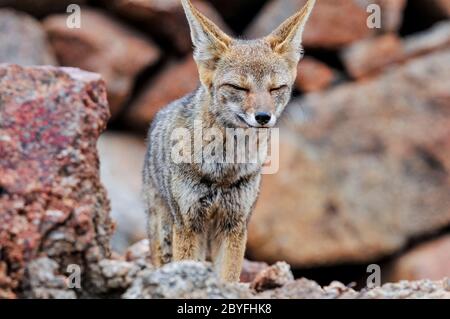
(188, 244)
(228, 253)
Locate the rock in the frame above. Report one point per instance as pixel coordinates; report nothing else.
(121, 162)
(250, 269)
(440, 7)
(370, 56)
(165, 20)
(430, 260)
(181, 280)
(313, 75)
(138, 251)
(175, 81)
(424, 289)
(195, 280)
(42, 7)
(44, 282)
(333, 23)
(434, 39)
(23, 41)
(113, 276)
(391, 13)
(51, 198)
(363, 168)
(307, 289)
(273, 277)
(105, 46)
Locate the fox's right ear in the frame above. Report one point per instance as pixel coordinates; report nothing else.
(209, 41)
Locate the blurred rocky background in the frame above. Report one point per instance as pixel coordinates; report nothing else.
(365, 144)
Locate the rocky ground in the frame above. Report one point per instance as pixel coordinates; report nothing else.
(55, 212)
(364, 153)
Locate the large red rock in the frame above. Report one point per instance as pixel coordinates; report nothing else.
(391, 13)
(369, 57)
(314, 75)
(165, 20)
(105, 46)
(363, 168)
(51, 200)
(333, 23)
(23, 41)
(433, 39)
(430, 260)
(174, 81)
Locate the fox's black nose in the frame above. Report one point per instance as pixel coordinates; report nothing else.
(263, 117)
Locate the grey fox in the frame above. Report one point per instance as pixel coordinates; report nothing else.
(200, 210)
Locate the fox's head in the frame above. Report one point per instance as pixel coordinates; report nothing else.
(249, 82)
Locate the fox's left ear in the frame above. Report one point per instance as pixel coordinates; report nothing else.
(287, 38)
(209, 41)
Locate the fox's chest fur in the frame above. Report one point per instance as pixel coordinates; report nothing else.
(204, 188)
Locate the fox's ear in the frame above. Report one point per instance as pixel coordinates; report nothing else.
(287, 38)
(208, 40)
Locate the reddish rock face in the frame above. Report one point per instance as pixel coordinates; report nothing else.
(313, 75)
(363, 168)
(391, 13)
(430, 260)
(23, 41)
(333, 23)
(175, 81)
(165, 20)
(371, 56)
(105, 46)
(51, 199)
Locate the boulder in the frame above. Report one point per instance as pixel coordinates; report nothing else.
(430, 260)
(186, 279)
(369, 57)
(308, 289)
(333, 23)
(52, 203)
(42, 7)
(440, 8)
(391, 13)
(272, 277)
(23, 40)
(250, 269)
(434, 39)
(43, 281)
(105, 46)
(121, 161)
(363, 169)
(165, 20)
(314, 75)
(173, 82)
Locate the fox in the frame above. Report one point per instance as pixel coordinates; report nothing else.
(200, 210)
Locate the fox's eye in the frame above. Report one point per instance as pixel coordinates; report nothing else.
(237, 87)
(278, 88)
